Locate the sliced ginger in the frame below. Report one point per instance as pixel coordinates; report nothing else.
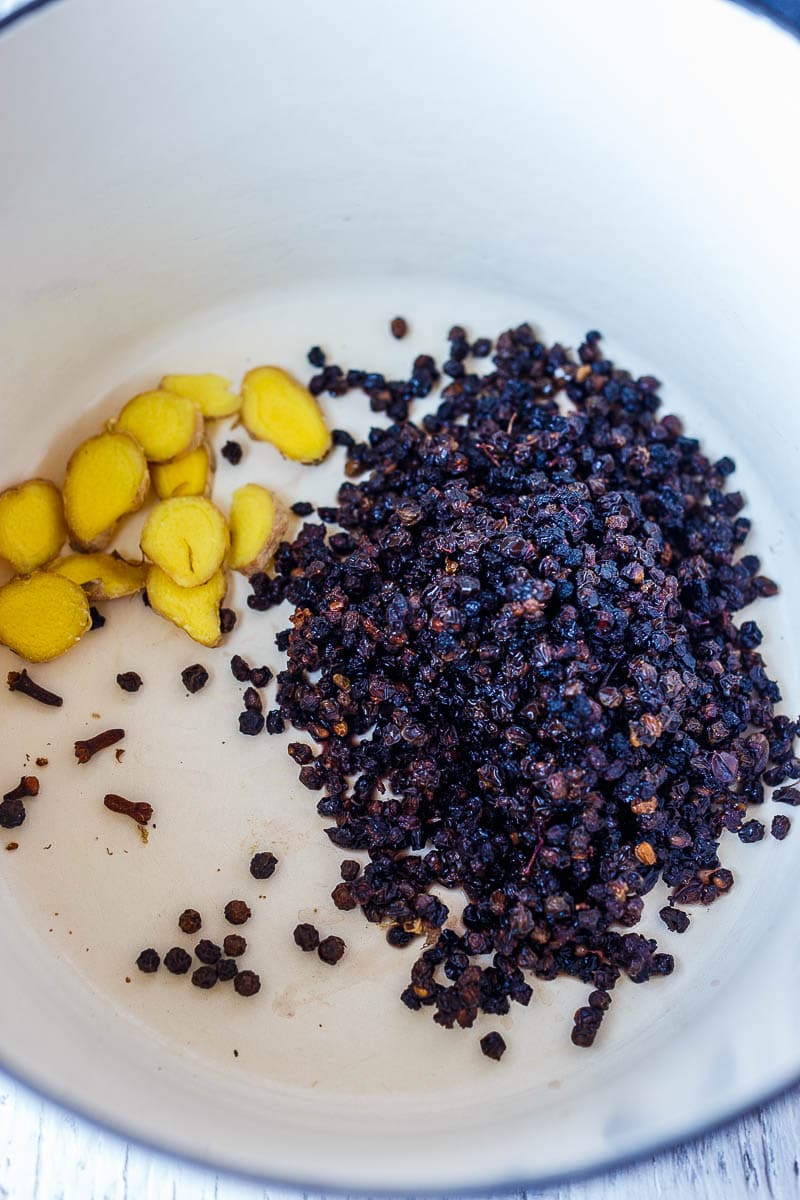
(164, 424)
(188, 538)
(32, 525)
(195, 610)
(257, 525)
(211, 393)
(102, 576)
(42, 616)
(189, 475)
(107, 478)
(277, 409)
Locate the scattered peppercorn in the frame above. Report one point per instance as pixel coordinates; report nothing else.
(237, 912)
(204, 977)
(190, 920)
(12, 814)
(148, 961)
(227, 620)
(302, 508)
(331, 949)
(177, 960)
(316, 357)
(399, 327)
(252, 700)
(263, 864)
(42, 762)
(247, 983)
(493, 1046)
(482, 347)
(780, 827)
(232, 452)
(226, 969)
(234, 945)
(306, 936)
(194, 677)
(349, 869)
(129, 681)
(208, 952)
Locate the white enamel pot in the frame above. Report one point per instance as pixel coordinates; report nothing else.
(189, 186)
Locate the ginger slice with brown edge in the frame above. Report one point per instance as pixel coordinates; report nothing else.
(107, 478)
(43, 615)
(187, 537)
(257, 524)
(32, 524)
(102, 576)
(195, 610)
(189, 475)
(276, 409)
(211, 393)
(165, 425)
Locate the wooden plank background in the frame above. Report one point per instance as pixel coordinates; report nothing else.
(45, 1154)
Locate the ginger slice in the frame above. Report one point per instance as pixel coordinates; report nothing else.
(257, 525)
(102, 576)
(276, 409)
(211, 393)
(42, 616)
(195, 610)
(189, 475)
(187, 537)
(165, 425)
(32, 525)
(107, 478)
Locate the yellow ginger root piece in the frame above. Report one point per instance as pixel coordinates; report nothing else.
(107, 478)
(276, 409)
(189, 475)
(257, 522)
(195, 610)
(42, 616)
(165, 425)
(187, 537)
(32, 525)
(102, 576)
(211, 393)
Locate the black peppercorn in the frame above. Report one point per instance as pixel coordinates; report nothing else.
(234, 945)
(232, 452)
(205, 977)
(148, 961)
(194, 677)
(263, 864)
(306, 937)
(208, 952)
(177, 961)
(237, 912)
(129, 681)
(190, 920)
(331, 949)
(247, 983)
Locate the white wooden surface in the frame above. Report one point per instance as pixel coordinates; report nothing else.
(46, 1154)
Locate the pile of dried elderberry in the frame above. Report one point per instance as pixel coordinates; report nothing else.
(518, 659)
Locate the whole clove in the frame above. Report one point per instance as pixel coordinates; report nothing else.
(27, 786)
(20, 681)
(139, 810)
(85, 750)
